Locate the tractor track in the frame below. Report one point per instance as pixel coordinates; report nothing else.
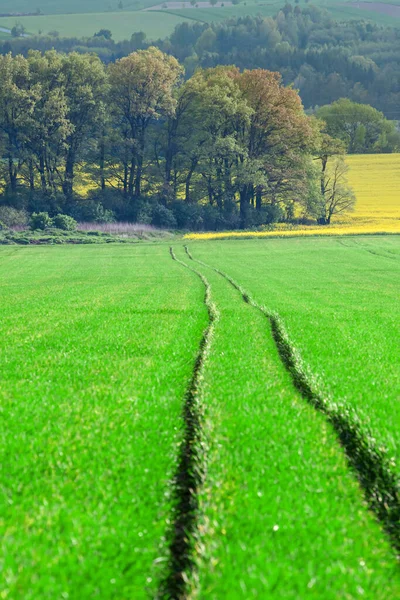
(370, 462)
(178, 580)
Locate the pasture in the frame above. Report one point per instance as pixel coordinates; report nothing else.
(122, 24)
(263, 373)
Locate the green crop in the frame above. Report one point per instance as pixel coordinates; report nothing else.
(339, 300)
(97, 346)
(281, 514)
(222, 426)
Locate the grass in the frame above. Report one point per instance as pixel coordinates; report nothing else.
(281, 515)
(83, 19)
(86, 233)
(60, 7)
(338, 300)
(117, 372)
(97, 347)
(375, 179)
(122, 24)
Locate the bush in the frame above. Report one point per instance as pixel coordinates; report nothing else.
(40, 221)
(64, 222)
(90, 211)
(12, 217)
(188, 216)
(3, 226)
(145, 213)
(53, 203)
(163, 217)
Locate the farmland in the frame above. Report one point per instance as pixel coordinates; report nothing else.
(83, 19)
(99, 348)
(375, 179)
(94, 367)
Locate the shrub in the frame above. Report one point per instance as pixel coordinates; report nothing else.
(64, 222)
(53, 203)
(145, 214)
(40, 221)
(188, 216)
(3, 226)
(92, 212)
(12, 217)
(163, 217)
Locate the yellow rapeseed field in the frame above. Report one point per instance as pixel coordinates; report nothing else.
(375, 179)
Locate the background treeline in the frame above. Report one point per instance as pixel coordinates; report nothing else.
(134, 141)
(324, 59)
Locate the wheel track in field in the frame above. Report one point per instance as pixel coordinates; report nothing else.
(178, 580)
(370, 462)
(360, 246)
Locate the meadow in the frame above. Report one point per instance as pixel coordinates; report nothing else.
(83, 19)
(122, 24)
(94, 366)
(121, 367)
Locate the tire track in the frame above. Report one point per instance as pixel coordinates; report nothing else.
(370, 462)
(177, 584)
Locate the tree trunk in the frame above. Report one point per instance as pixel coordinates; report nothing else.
(12, 175)
(139, 164)
(102, 163)
(31, 177)
(244, 206)
(258, 198)
(42, 173)
(131, 177)
(188, 181)
(68, 184)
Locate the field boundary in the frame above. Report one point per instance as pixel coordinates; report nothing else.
(189, 476)
(371, 464)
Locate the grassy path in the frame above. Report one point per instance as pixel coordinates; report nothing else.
(280, 513)
(97, 347)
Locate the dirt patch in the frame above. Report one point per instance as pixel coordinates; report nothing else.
(175, 5)
(385, 9)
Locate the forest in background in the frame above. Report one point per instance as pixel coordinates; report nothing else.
(165, 136)
(323, 58)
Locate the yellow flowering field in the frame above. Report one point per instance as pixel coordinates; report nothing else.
(375, 179)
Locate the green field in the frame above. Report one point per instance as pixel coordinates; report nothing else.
(94, 365)
(98, 352)
(83, 19)
(59, 7)
(122, 24)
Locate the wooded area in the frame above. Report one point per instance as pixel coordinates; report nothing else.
(181, 142)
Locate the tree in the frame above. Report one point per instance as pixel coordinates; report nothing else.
(18, 30)
(50, 126)
(85, 85)
(360, 126)
(141, 92)
(337, 197)
(105, 33)
(17, 102)
(278, 136)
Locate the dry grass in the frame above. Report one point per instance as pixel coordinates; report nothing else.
(119, 228)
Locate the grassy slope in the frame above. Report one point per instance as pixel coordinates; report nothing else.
(339, 301)
(122, 24)
(282, 515)
(83, 19)
(57, 7)
(97, 347)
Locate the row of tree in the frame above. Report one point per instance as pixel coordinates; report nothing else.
(236, 144)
